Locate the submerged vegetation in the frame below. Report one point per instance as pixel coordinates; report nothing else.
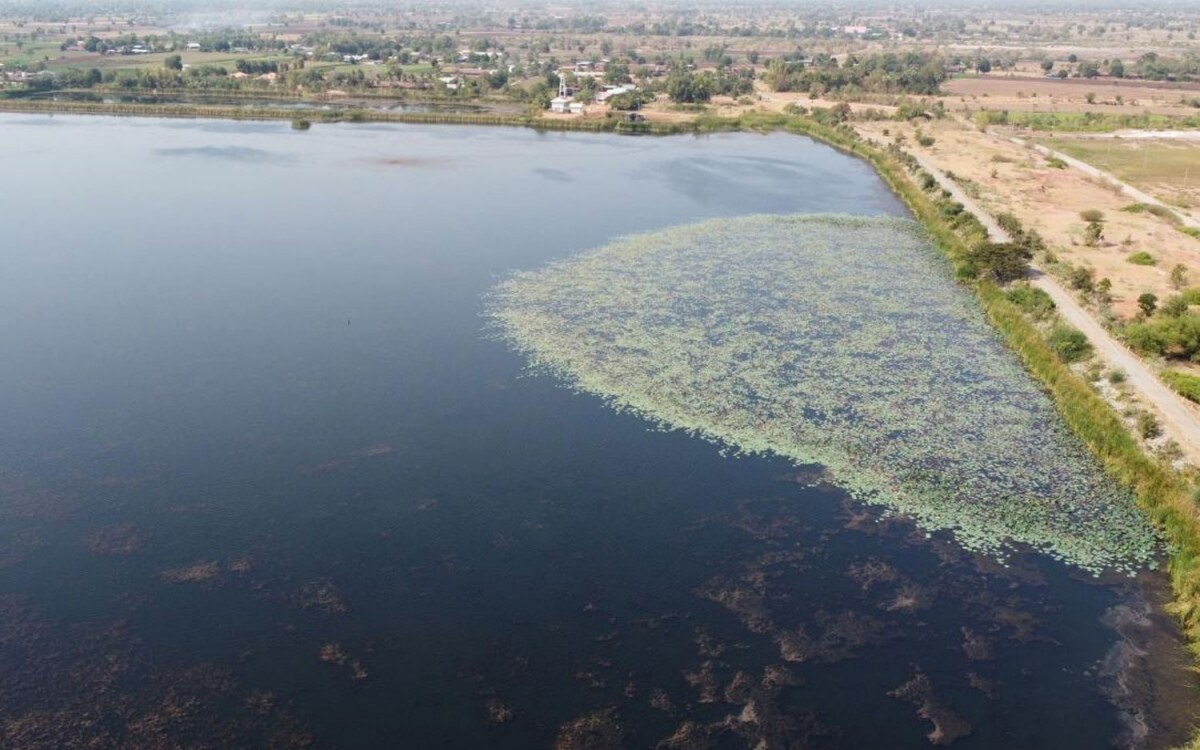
(822, 340)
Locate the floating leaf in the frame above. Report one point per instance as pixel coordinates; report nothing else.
(832, 340)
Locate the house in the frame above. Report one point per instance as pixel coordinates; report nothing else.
(560, 104)
(193, 46)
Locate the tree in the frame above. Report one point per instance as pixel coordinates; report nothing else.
(1148, 303)
(984, 65)
(1000, 261)
(616, 73)
(1175, 306)
(1179, 276)
(688, 88)
(1047, 65)
(1093, 233)
(173, 62)
(1116, 69)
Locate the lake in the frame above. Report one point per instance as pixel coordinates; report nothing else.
(268, 479)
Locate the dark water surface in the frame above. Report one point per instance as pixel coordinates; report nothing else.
(265, 479)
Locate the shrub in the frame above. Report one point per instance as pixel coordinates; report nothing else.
(1184, 384)
(1092, 214)
(301, 124)
(1176, 338)
(1147, 425)
(1082, 278)
(1116, 377)
(1056, 163)
(925, 140)
(1163, 212)
(1093, 233)
(1069, 343)
(1175, 306)
(1036, 303)
(1141, 258)
(1179, 276)
(950, 209)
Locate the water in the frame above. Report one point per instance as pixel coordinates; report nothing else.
(264, 476)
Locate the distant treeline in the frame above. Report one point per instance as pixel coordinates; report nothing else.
(910, 73)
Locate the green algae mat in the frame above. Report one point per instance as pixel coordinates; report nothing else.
(828, 340)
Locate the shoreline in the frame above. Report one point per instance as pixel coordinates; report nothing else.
(1163, 496)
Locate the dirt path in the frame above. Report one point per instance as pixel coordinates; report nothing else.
(1178, 418)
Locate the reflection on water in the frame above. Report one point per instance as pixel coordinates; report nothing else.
(265, 481)
(231, 153)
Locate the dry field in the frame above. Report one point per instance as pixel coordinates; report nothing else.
(1003, 176)
(1042, 94)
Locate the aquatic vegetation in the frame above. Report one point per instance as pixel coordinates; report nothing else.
(97, 684)
(117, 540)
(948, 726)
(496, 711)
(199, 572)
(332, 653)
(320, 594)
(598, 729)
(835, 341)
